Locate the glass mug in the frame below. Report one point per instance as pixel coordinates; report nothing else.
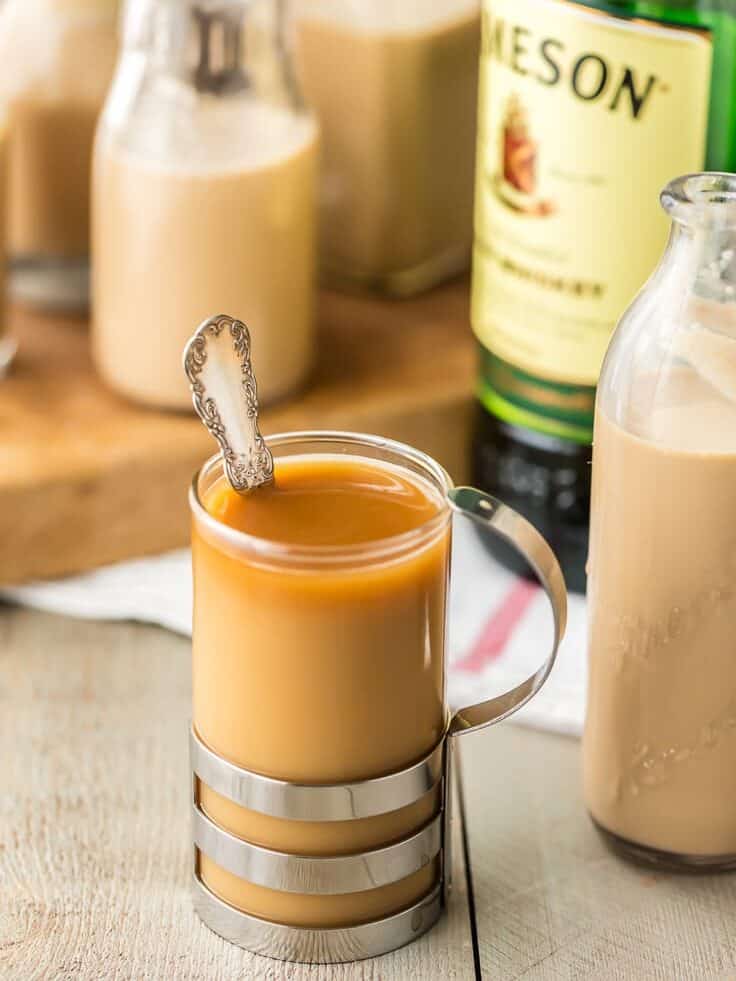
(320, 722)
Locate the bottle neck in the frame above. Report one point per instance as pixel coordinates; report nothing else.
(700, 261)
(219, 48)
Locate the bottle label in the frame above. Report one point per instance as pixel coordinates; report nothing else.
(583, 118)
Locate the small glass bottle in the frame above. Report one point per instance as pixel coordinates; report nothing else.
(204, 197)
(660, 736)
(56, 61)
(394, 85)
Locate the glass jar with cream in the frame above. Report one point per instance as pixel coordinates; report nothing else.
(660, 735)
(204, 196)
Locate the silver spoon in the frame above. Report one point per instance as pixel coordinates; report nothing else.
(218, 365)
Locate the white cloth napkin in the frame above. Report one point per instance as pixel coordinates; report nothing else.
(500, 625)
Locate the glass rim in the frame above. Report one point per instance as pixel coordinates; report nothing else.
(688, 199)
(376, 550)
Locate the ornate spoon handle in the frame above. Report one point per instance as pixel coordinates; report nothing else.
(218, 365)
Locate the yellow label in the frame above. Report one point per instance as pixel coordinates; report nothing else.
(583, 118)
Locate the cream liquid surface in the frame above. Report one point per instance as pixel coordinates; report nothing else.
(321, 675)
(178, 240)
(52, 124)
(398, 137)
(660, 735)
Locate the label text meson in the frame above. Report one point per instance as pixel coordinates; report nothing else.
(589, 75)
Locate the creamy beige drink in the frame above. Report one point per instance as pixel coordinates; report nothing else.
(660, 736)
(49, 178)
(215, 215)
(395, 92)
(321, 670)
(65, 52)
(7, 344)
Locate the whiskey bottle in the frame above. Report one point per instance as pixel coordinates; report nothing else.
(586, 111)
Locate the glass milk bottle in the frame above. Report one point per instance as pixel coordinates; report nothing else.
(394, 85)
(56, 62)
(204, 197)
(660, 736)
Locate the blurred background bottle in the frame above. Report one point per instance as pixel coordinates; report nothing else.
(7, 343)
(204, 197)
(56, 62)
(394, 85)
(585, 111)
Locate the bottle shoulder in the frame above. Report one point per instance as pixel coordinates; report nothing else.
(158, 119)
(695, 13)
(670, 372)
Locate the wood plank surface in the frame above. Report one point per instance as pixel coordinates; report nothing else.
(88, 478)
(95, 854)
(552, 902)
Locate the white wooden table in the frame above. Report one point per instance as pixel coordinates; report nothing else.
(95, 854)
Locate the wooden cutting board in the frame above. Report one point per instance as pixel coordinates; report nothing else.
(88, 478)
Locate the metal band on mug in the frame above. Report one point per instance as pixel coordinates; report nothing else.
(326, 945)
(325, 802)
(317, 875)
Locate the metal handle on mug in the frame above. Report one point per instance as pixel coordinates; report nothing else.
(503, 521)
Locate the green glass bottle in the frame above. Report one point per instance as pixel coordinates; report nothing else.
(586, 111)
